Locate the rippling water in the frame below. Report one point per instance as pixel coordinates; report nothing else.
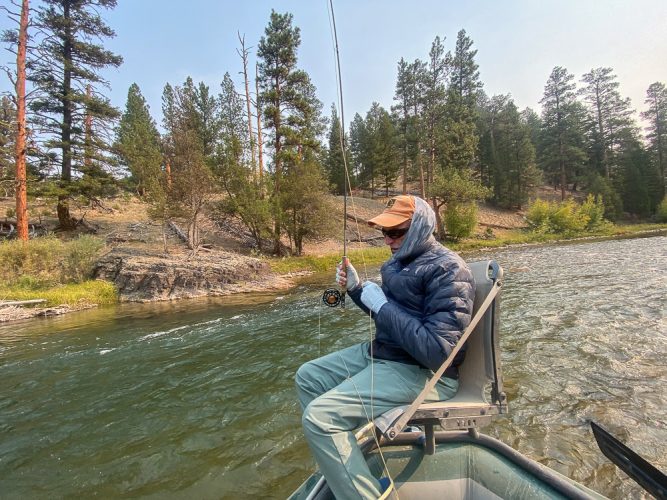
(195, 399)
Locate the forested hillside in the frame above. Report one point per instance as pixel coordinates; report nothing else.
(264, 154)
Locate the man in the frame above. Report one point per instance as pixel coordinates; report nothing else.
(420, 312)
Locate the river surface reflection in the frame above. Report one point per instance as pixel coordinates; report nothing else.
(194, 399)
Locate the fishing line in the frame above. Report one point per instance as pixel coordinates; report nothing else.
(346, 186)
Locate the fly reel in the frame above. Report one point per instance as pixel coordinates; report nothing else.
(333, 297)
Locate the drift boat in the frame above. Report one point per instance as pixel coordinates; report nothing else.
(458, 462)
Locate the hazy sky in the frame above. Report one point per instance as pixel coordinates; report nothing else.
(518, 43)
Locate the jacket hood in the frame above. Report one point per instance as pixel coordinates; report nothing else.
(420, 235)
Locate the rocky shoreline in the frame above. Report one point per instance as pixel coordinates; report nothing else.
(143, 277)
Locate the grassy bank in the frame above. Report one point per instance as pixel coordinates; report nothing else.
(71, 294)
(510, 238)
(55, 270)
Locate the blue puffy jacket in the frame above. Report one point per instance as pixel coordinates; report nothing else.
(430, 292)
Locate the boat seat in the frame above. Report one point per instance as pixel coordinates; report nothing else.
(480, 397)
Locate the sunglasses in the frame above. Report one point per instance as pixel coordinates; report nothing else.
(395, 234)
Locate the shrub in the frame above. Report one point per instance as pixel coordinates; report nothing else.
(538, 214)
(567, 216)
(661, 213)
(460, 220)
(594, 209)
(48, 261)
(80, 257)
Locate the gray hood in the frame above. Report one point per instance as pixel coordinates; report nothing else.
(420, 235)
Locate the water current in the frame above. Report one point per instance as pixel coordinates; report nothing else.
(195, 399)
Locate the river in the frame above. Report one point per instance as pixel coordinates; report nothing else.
(195, 399)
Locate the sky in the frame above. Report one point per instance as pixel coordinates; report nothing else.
(519, 42)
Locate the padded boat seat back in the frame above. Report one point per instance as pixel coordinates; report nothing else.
(480, 395)
(480, 391)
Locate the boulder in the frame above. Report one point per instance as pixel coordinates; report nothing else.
(143, 277)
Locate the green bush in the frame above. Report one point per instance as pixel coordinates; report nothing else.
(80, 255)
(567, 216)
(460, 220)
(48, 261)
(594, 209)
(661, 213)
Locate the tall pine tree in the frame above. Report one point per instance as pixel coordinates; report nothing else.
(509, 153)
(235, 170)
(138, 141)
(292, 112)
(192, 125)
(610, 115)
(71, 60)
(561, 146)
(335, 161)
(656, 115)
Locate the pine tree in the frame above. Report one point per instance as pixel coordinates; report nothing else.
(191, 119)
(138, 141)
(357, 148)
(69, 61)
(635, 176)
(459, 138)
(335, 162)
(384, 152)
(561, 146)
(465, 83)
(407, 112)
(307, 211)
(509, 152)
(234, 168)
(656, 115)
(374, 142)
(435, 102)
(610, 115)
(291, 109)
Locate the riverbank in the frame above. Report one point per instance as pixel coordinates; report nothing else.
(133, 266)
(151, 279)
(510, 239)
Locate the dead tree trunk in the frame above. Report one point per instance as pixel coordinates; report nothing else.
(244, 56)
(259, 132)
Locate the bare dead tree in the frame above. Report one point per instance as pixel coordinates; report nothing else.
(244, 57)
(259, 128)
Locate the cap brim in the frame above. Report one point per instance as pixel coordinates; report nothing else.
(388, 220)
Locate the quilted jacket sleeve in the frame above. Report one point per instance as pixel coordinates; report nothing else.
(448, 302)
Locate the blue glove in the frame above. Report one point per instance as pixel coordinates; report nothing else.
(373, 297)
(348, 278)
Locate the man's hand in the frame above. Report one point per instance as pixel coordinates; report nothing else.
(373, 297)
(347, 278)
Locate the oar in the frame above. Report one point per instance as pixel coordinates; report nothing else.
(647, 476)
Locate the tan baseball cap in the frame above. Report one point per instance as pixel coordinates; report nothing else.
(399, 209)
